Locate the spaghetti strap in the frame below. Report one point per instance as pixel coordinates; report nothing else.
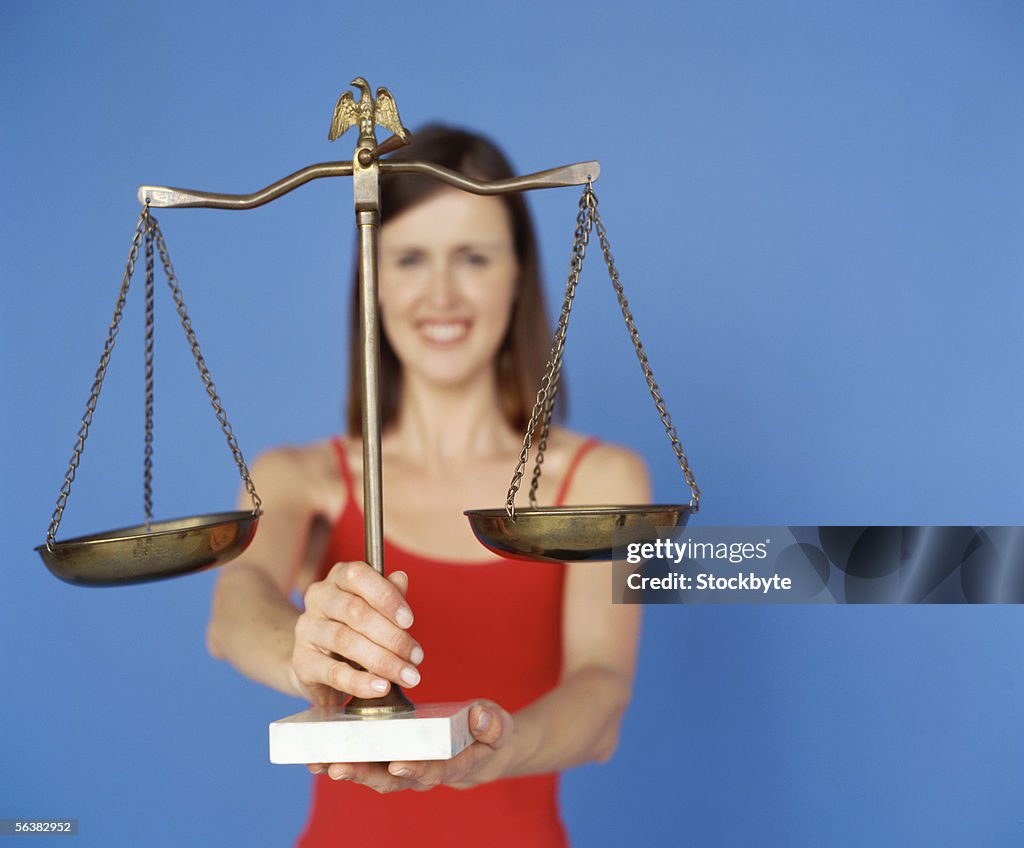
(581, 452)
(346, 473)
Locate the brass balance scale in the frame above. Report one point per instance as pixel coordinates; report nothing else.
(161, 549)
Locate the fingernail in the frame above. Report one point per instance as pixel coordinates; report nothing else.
(404, 617)
(417, 655)
(402, 772)
(483, 720)
(342, 776)
(379, 685)
(410, 676)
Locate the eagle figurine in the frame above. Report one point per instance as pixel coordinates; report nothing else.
(366, 112)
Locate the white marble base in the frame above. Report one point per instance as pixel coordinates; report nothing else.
(327, 735)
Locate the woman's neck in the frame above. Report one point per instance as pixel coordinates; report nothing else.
(448, 427)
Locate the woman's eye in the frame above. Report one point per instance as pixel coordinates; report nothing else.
(477, 260)
(409, 260)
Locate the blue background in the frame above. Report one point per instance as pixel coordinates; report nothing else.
(817, 211)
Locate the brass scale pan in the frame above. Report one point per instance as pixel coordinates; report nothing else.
(154, 550)
(140, 554)
(566, 534)
(157, 550)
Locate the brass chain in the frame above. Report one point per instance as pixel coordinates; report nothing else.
(147, 464)
(589, 219)
(148, 231)
(581, 238)
(544, 404)
(204, 372)
(97, 383)
(666, 420)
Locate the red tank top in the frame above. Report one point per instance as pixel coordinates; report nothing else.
(490, 629)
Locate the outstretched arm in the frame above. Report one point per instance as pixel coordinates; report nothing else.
(353, 612)
(252, 622)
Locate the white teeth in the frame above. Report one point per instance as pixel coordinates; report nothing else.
(444, 332)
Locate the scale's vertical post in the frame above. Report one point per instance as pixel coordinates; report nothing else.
(366, 188)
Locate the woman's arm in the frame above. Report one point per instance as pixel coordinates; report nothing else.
(353, 612)
(578, 720)
(252, 623)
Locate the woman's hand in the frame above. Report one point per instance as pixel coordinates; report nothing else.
(491, 727)
(354, 617)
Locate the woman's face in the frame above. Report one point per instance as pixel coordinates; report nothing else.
(448, 274)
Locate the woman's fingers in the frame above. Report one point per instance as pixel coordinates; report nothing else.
(401, 580)
(382, 595)
(490, 724)
(314, 668)
(397, 664)
(353, 635)
(426, 774)
(368, 603)
(373, 775)
(341, 624)
(491, 727)
(357, 596)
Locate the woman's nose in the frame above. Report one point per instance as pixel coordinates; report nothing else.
(443, 286)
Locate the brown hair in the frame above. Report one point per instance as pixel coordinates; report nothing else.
(521, 358)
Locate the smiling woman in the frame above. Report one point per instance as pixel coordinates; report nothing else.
(539, 647)
(447, 285)
(520, 357)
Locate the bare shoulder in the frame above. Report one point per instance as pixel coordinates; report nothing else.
(297, 489)
(293, 473)
(607, 473)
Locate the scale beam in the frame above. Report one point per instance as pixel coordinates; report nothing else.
(167, 197)
(567, 175)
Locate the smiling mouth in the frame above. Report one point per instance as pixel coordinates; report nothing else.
(444, 332)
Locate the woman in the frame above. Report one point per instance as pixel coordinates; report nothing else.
(540, 647)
